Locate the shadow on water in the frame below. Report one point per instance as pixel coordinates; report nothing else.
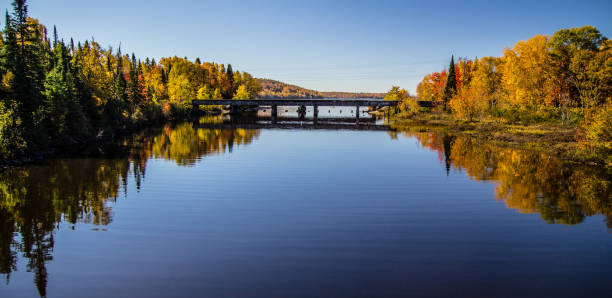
(35, 199)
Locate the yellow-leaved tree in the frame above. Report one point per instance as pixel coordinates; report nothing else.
(203, 92)
(241, 93)
(524, 75)
(180, 90)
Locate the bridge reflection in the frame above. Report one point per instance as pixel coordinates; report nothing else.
(295, 123)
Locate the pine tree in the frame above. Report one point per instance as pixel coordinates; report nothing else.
(135, 88)
(451, 83)
(23, 54)
(228, 91)
(64, 120)
(230, 74)
(115, 106)
(54, 36)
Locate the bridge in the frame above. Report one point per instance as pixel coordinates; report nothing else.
(301, 103)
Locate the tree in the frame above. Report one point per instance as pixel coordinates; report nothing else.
(470, 102)
(525, 73)
(568, 50)
(217, 94)
(396, 94)
(22, 60)
(180, 90)
(241, 93)
(63, 117)
(451, 82)
(596, 136)
(230, 74)
(203, 93)
(227, 82)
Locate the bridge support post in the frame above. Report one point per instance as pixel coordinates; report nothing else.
(302, 112)
(315, 113)
(274, 113)
(357, 112)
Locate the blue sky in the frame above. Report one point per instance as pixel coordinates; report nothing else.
(324, 45)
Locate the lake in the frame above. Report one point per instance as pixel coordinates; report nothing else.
(251, 209)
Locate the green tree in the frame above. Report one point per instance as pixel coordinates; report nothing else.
(63, 118)
(22, 60)
(115, 106)
(451, 82)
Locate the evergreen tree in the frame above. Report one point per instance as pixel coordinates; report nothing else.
(23, 55)
(451, 83)
(230, 74)
(54, 36)
(228, 90)
(134, 86)
(64, 121)
(115, 106)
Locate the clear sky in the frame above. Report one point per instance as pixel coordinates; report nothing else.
(324, 45)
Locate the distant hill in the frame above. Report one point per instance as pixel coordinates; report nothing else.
(272, 89)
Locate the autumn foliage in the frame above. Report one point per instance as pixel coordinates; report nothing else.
(568, 72)
(55, 93)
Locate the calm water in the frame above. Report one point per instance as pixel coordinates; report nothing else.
(212, 210)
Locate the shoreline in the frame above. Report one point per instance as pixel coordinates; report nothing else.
(557, 140)
(102, 139)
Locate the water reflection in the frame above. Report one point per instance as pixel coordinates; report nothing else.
(34, 200)
(530, 182)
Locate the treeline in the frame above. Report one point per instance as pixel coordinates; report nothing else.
(272, 89)
(368, 95)
(571, 69)
(566, 77)
(55, 93)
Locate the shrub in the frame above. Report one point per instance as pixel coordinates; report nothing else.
(596, 134)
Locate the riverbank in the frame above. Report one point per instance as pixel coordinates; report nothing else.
(554, 139)
(104, 140)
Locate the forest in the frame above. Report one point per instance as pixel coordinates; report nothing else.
(272, 89)
(56, 93)
(564, 79)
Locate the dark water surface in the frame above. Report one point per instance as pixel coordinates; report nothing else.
(234, 212)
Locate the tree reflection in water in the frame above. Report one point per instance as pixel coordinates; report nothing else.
(559, 191)
(34, 200)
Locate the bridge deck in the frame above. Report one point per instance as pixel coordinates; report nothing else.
(295, 102)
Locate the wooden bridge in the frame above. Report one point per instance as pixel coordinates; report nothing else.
(301, 103)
